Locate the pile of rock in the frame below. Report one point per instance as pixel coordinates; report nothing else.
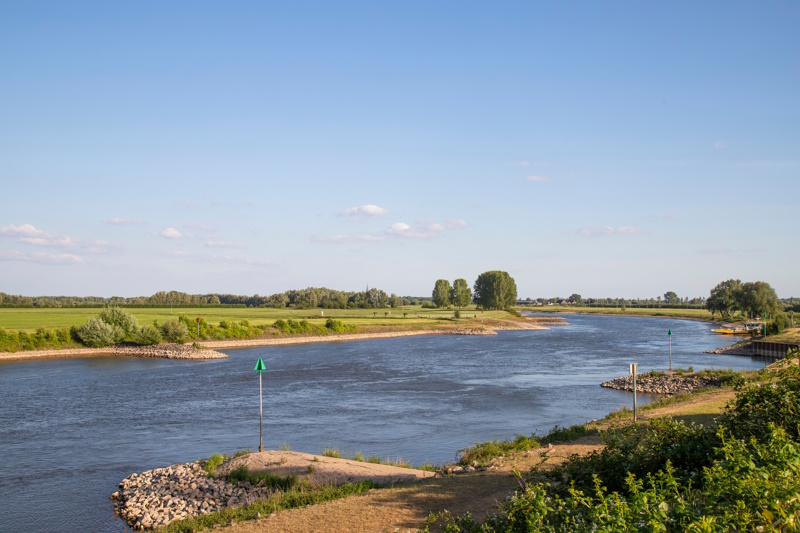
(663, 383)
(157, 497)
(472, 331)
(169, 351)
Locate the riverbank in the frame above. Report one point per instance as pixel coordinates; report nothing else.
(207, 349)
(163, 351)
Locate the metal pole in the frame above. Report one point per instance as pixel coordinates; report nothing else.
(634, 392)
(670, 354)
(260, 417)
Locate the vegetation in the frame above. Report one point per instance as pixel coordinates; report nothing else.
(666, 476)
(442, 293)
(13, 341)
(462, 294)
(96, 333)
(266, 479)
(300, 496)
(754, 299)
(495, 289)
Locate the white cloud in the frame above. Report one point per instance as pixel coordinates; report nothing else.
(539, 179)
(455, 223)
(608, 230)
(29, 234)
(24, 230)
(368, 210)
(721, 145)
(399, 230)
(117, 221)
(41, 257)
(170, 233)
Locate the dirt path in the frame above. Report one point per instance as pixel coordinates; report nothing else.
(406, 508)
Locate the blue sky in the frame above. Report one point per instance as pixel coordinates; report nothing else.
(605, 148)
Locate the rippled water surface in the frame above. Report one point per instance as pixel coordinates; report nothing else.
(71, 430)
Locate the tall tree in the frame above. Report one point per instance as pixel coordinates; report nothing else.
(671, 298)
(758, 298)
(725, 298)
(462, 294)
(576, 298)
(441, 293)
(495, 289)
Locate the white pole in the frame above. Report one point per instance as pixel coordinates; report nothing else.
(260, 417)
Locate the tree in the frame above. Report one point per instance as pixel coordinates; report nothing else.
(395, 301)
(576, 298)
(758, 298)
(725, 298)
(116, 316)
(462, 294)
(670, 298)
(441, 293)
(495, 289)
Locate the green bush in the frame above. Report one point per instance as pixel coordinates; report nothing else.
(147, 336)
(174, 331)
(666, 476)
(96, 333)
(338, 326)
(115, 316)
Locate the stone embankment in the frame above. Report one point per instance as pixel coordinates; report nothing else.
(157, 497)
(472, 331)
(169, 351)
(662, 383)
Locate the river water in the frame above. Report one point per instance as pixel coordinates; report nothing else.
(72, 429)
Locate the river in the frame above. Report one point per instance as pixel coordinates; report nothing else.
(72, 429)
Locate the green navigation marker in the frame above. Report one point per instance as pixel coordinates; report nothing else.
(260, 366)
(669, 334)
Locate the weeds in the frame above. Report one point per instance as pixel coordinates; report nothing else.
(279, 501)
(265, 479)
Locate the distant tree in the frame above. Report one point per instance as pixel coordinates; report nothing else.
(670, 298)
(576, 298)
(495, 289)
(725, 298)
(442, 293)
(462, 294)
(758, 298)
(395, 301)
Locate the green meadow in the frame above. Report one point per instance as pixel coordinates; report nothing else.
(407, 317)
(697, 314)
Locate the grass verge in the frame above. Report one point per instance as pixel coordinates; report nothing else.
(279, 501)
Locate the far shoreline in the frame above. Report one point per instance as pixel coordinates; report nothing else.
(212, 346)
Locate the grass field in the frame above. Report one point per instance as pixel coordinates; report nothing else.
(30, 319)
(699, 314)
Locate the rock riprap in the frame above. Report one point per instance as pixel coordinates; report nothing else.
(663, 383)
(157, 497)
(168, 351)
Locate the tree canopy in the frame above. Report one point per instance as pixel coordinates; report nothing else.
(442, 293)
(462, 294)
(495, 289)
(751, 298)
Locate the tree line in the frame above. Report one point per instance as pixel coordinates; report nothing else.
(311, 297)
(494, 289)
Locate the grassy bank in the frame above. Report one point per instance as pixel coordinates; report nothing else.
(696, 314)
(31, 319)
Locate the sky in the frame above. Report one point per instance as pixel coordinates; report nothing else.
(610, 149)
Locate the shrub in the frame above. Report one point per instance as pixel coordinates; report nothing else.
(174, 331)
(115, 316)
(147, 336)
(338, 326)
(96, 333)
